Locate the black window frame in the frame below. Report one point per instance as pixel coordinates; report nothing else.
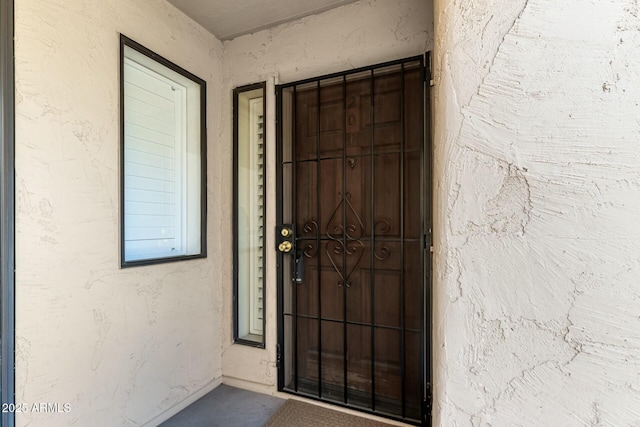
(128, 42)
(7, 211)
(236, 336)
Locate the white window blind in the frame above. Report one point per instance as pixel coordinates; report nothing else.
(256, 147)
(155, 132)
(162, 173)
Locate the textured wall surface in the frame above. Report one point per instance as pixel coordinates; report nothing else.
(537, 185)
(121, 346)
(362, 33)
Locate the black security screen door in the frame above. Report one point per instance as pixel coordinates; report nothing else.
(352, 239)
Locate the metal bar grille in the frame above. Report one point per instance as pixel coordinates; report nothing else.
(370, 305)
(319, 216)
(402, 185)
(373, 240)
(344, 236)
(295, 221)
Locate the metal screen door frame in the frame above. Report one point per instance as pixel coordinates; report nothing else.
(425, 233)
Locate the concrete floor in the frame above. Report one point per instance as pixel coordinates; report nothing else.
(227, 406)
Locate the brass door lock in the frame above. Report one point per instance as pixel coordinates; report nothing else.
(285, 238)
(285, 246)
(286, 232)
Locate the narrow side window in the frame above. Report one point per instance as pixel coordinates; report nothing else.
(249, 214)
(163, 155)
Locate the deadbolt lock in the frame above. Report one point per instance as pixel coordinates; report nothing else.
(285, 247)
(286, 232)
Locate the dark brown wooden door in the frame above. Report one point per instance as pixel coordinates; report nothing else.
(352, 187)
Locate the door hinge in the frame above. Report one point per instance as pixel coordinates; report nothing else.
(427, 240)
(278, 356)
(427, 405)
(427, 69)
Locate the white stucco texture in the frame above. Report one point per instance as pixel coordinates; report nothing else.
(537, 213)
(120, 346)
(359, 34)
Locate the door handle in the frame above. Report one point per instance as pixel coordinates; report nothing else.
(298, 273)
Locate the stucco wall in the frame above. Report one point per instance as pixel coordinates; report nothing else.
(537, 184)
(121, 346)
(359, 34)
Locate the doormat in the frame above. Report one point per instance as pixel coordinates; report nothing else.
(294, 413)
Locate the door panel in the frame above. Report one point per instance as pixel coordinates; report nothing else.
(351, 166)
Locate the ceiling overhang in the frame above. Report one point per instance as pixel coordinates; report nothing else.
(228, 19)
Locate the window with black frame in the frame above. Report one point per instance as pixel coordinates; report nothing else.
(163, 155)
(249, 214)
